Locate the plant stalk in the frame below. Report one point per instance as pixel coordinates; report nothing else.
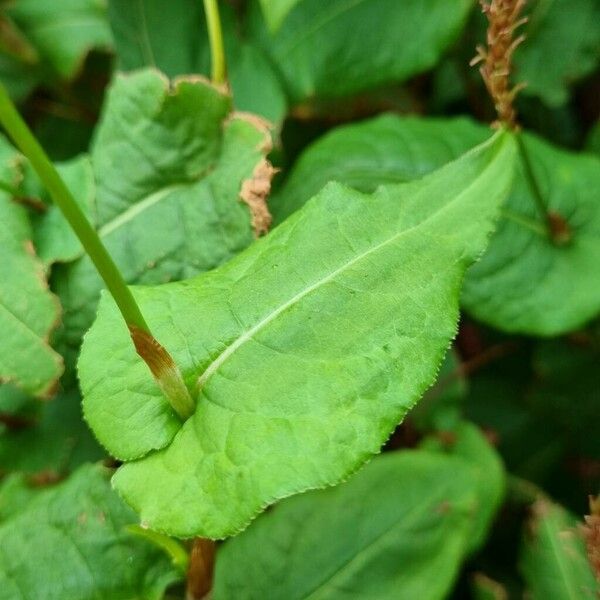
(215, 36)
(156, 356)
(201, 569)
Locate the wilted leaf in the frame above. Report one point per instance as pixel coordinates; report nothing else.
(485, 588)
(70, 542)
(299, 375)
(398, 529)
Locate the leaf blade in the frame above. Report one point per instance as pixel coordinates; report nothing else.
(307, 348)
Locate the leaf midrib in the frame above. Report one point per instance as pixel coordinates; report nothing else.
(139, 207)
(247, 335)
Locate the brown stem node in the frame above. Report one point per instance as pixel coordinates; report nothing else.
(200, 572)
(165, 371)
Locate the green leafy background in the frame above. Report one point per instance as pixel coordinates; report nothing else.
(317, 357)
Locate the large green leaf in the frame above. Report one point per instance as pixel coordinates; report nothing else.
(179, 46)
(524, 283)
(328, 49)
(553, 558)
(562, 47)
(398, 529)
(59, 35)
(28, 311)
(69, 542)
(169, 164)
(303, 353)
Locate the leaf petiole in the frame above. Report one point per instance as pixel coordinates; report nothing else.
(215, 35)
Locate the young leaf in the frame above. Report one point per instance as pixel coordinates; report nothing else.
(28, 311)
(553, 557)
(329, 49)
(563, 46)
(525, 283)
(70, 542)
(169, 164)
(304, 352)
(398, 529)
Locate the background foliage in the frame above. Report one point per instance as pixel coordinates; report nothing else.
(481, 491)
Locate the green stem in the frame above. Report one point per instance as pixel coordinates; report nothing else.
(215, 36)
(62, 197)
(534, 185)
